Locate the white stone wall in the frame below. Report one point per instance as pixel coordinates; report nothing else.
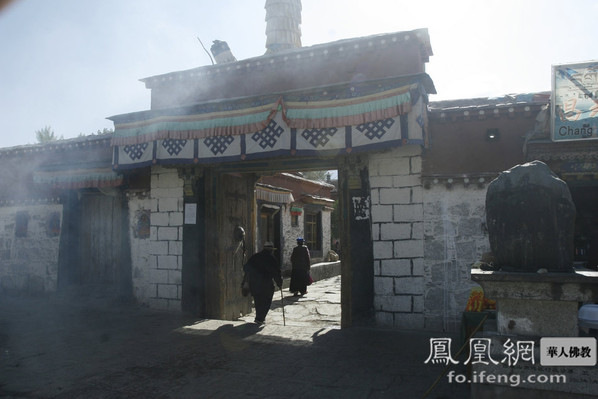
(291, 233)
(326, 232)
(30, 263)
(398, 237)
(157, 261)
(455, 238)
(143, 288)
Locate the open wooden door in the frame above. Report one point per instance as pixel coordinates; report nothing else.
(232, 207)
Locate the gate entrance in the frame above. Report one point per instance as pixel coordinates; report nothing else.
(226, 199)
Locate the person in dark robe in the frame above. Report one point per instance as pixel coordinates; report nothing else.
(301, 263)
(262, 268)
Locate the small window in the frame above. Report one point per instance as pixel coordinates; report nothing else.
(142, 229)
(313, 229)
(22, 222)
(53, 228)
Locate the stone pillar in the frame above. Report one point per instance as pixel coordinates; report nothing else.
(166, 239)
(398, 237)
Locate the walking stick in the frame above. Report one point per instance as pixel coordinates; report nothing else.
(284, 323)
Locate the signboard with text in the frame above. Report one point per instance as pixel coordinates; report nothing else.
(575, 101)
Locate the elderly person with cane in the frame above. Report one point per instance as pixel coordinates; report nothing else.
(261, 269)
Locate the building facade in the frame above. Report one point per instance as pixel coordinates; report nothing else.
(154, 211)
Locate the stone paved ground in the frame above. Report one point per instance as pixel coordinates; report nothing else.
(321, 307)
(52, 347)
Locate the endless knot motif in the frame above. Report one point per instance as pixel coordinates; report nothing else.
(174, 147)
(135, 151)
(268, 136)
(375, 129)
(318, 137)
(218, 144)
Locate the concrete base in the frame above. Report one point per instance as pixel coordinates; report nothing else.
(535, 304)
(529, 317)
(530, 306)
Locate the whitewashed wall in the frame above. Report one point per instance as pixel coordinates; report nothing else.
(455, 238)
(326, 233)
(157, 261)
(143, 288)
(29, 264)
(291, 233)
(398, 237)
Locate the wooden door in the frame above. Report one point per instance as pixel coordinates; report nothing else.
(357, 253)
(102, 259)
(193, 298)
(237, 199)
(232, 206)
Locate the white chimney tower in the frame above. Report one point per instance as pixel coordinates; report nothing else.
(221, 52)
(283, 18)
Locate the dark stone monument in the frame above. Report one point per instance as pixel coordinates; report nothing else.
(531, 220)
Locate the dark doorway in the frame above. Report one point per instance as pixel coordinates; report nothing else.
(194, 247)
(95, 249)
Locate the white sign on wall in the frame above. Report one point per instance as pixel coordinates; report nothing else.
(575, 101)
(190, 213)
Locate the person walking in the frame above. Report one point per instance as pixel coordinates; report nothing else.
(261, 269)
(301, 263)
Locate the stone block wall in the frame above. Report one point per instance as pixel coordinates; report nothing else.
(29, 248)
(158, 259)
(290, 234)
(398, 237)
(326, 233)
(455, 238)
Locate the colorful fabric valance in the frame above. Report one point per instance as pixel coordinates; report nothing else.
(348, 112)
(272, 194)
(176, 125)
(185, 127)
(296, 211)
(280, 139)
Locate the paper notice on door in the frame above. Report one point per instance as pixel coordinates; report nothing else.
(190, 213)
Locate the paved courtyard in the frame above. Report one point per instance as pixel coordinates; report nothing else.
(52, 347)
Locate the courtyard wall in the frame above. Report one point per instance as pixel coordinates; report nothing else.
(29, 244)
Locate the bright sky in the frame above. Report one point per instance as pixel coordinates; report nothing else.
(70, 64)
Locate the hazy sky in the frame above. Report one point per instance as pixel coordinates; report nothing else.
(69, 64)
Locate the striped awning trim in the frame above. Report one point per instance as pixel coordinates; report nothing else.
(170, 124)
(271, 194)
(79, 178)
